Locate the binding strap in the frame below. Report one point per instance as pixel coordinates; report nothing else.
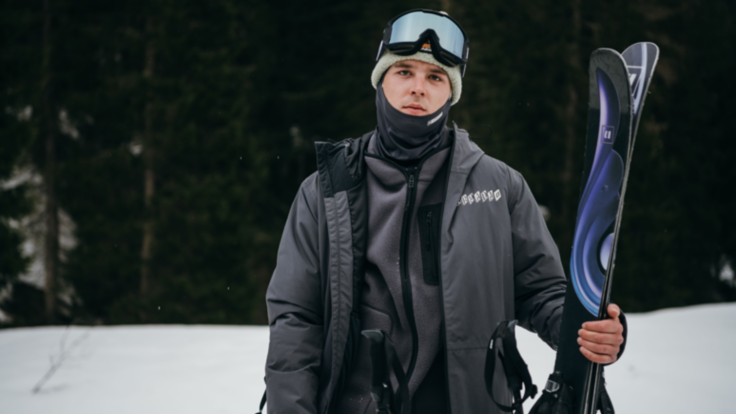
(502, 346)
(558, 397)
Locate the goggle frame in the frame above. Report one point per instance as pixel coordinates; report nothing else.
(431, 21)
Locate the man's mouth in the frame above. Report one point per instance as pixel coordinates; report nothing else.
(415, 107)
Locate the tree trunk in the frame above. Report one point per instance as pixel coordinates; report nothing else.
(51, 211)
(568, 174)
(149, 173)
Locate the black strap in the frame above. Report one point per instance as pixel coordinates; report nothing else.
(384, 361)
(263, 403)
(605, 405)
(503, 346)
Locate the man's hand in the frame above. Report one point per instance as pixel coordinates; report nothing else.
(600, 341)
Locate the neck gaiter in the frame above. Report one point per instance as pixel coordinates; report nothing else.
(404, 137)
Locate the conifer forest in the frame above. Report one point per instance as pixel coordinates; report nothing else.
(150, 150)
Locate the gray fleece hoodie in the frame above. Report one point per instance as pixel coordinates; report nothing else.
(399, 296)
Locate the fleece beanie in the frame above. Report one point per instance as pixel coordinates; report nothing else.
(388, 59)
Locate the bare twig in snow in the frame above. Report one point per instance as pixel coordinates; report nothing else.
(56, 361)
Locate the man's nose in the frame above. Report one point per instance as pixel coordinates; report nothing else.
(419, 86)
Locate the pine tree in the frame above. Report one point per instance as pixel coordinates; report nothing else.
(15, 131)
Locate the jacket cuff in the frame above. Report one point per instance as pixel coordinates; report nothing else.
(622, 318)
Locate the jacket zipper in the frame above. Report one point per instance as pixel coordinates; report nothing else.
(406, 288)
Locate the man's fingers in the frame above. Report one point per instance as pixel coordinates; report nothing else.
(608, 326)
(600, 341)
(613, 311)
(603, 352)
(599, 337)
(597, 358)
(611, 324)
(599, 349)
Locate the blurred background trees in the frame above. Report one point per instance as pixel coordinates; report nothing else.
(149, 151)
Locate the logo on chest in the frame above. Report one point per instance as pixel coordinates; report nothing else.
(480, 197)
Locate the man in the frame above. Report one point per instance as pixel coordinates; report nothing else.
(412, 230)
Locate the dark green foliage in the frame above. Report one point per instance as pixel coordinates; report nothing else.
(16, 42)
(221, 101)
(680, 214)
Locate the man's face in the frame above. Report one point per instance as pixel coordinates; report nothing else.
(416, 88)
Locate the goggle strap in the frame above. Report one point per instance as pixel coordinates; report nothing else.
(381, 47)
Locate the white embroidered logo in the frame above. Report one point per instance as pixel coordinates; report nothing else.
(480, 196)
(434, 120)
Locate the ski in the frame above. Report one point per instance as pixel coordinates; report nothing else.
(641, 59)
(618, 84)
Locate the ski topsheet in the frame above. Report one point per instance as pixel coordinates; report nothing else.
(617, 89)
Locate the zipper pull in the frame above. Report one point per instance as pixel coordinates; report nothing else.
(411, 179)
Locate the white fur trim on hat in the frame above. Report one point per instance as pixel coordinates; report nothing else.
(388, 59)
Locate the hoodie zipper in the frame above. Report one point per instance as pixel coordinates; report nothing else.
(412, 175)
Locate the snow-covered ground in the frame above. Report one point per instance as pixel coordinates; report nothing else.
(677, 361)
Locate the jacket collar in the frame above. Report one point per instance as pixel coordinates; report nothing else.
(465, 153)
(334, 159)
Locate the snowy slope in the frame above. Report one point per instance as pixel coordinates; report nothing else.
(677, 361)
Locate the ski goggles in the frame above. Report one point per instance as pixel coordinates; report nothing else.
(429, 31)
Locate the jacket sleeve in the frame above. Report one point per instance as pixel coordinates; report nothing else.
(294, 302)
(539, 278)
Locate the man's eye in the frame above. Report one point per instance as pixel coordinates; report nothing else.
(403, 72)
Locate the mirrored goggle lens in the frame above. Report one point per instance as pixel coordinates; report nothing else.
(409, 27)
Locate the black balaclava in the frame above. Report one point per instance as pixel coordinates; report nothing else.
(404, 137)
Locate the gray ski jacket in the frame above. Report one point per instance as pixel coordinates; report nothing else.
(497, 262)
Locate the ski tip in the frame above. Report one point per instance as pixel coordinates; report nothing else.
(651, 46)
(604, 51)
(605, 54)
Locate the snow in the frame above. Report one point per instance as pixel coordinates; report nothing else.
(676, 361)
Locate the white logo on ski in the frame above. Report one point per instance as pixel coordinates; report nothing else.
(607, 134)
(632, 78)
(635, 80)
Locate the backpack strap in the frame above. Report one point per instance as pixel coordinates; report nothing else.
(502, 346)
(384, 362)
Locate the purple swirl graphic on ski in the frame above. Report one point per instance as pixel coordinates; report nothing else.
(598, 205)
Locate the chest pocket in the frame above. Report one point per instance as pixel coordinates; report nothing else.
(430, 219)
